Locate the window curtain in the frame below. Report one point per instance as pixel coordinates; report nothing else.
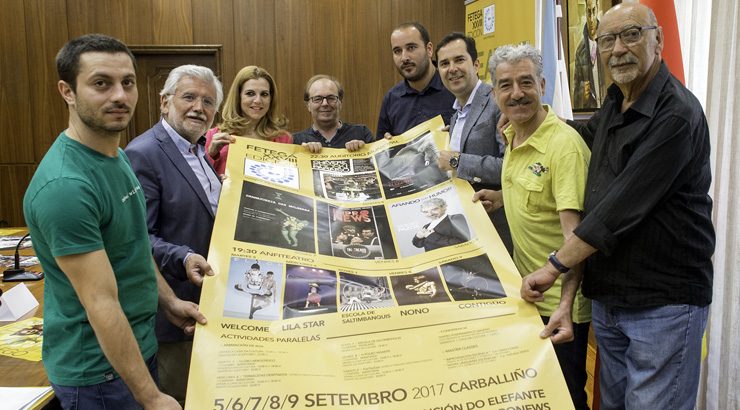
(709, 37)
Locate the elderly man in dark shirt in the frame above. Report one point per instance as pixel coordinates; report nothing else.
(647, 235)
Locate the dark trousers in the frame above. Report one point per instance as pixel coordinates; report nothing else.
(111, 394)
(572, 359)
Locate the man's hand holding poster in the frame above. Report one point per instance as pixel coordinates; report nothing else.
(363, 280)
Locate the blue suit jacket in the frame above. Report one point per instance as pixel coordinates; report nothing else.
(179, 215)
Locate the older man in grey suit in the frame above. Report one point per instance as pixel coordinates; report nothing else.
(476, 152)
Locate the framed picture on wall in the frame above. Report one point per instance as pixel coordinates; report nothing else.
(588, 79)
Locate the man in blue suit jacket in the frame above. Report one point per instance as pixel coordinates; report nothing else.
(182, 191)
(476, 152)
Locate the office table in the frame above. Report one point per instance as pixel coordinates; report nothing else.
(17, 372)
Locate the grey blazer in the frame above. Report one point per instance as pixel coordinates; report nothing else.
(482, 154)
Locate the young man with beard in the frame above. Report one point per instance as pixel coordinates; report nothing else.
(420, 96)
(86, 212)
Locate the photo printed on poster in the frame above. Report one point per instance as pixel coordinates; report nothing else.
(431, 222)
(472, 278)
(410, 168)
(272, 217)
(346, 180)
(356, 233)
(359, 292)
(309, 291)
(254, 289)
(419, 288)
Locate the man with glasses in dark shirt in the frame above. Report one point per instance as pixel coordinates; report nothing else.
(646, 235)
(323, 96)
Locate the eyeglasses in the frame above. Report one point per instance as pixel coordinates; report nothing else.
(208, 102)
(629, 36)
(318, 99)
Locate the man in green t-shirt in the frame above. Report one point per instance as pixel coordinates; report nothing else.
(543, 183)
(86, 213)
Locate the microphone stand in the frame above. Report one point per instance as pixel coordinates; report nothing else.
(19, 274)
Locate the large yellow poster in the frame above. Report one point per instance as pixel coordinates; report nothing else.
(493, 23)
(365, 280)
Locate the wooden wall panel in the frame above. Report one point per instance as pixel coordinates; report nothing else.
(14, 180)
(129, 20)
(255, 29)
(445, 20)
(420, 10)
(15, 118)
(172, 20)
(365, 39)
(388, 74)
(302, 51)
(213, 23)
(46, 29)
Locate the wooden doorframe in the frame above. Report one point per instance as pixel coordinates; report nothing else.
(205, 49)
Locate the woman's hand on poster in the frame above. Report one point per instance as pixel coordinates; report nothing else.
(219, 140)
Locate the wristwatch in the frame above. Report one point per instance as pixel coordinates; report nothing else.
(455, 161)
(553, 259)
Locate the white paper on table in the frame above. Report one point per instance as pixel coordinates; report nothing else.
(16, 302)
(21, 398)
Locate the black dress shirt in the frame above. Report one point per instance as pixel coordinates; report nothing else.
(346, 133)
(404, 108)
(647, 208)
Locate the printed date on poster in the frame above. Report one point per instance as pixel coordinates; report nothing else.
(310, 400)
(256, 402)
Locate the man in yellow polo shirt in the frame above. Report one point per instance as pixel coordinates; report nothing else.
(543, 182)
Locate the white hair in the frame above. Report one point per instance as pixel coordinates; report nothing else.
(193, 71)
(511, 54)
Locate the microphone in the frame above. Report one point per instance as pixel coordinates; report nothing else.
(19, 274)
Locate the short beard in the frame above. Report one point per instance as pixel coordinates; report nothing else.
(420, 73)
(101, 127)
(624, 77)
(88, 118)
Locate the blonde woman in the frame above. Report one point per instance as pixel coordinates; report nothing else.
(249, 112)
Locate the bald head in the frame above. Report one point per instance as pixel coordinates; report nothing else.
(634, 11)
(630, 43)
